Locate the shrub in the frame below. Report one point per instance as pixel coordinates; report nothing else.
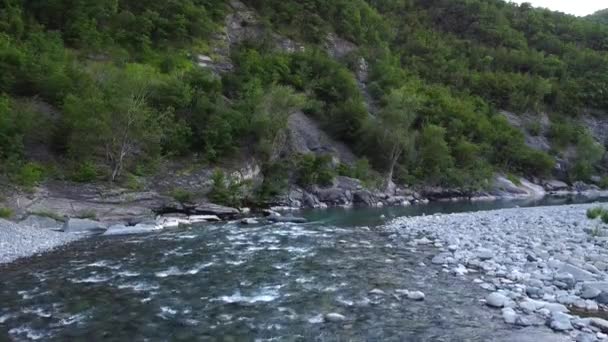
(276, 180)
(219, 190)
(132, 182)
(85, 172)
(182, 196)
(226, 190)
(29, 175)
(5, 213)
(49, 214)
(604, 183)
(315, 170)
(514, 179)
(594, 213)
(604, 217)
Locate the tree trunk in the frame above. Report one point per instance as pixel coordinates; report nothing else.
(395, 154)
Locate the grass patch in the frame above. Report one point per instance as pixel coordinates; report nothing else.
(182, 196)
(514, 179)
(49, 214)
(5, 213)
(87, 214)
(595, 212)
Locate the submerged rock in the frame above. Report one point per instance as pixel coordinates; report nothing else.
(416, 295)
(287, 219)
(249, 221)
(334, 317)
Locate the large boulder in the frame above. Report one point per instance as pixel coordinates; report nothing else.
(556, 185)
(334, 196)
(84, 226)
(364, 197)
(287, 219)
(503, 187)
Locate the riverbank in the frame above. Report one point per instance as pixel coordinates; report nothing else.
(538, 265)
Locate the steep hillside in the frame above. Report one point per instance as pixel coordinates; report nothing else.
(417, 90)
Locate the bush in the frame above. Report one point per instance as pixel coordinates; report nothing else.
(29, 175)
(514, 179)
(604, 217)
(594, 213)
(49, 214)
(132, 182)
(182, 196)
(276, 180)
(315, 170)
(604, 183)
(85, 172)
(5, 213)
(226, 190)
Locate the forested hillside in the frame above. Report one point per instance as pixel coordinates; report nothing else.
(113, 87)
(600, 16)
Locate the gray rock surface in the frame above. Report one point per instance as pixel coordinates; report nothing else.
(220, 211)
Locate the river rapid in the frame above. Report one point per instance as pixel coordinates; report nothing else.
(339, 278)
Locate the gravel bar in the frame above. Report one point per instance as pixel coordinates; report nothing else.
(18, 241)
(540, 266)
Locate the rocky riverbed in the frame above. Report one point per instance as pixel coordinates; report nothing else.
(540, 266)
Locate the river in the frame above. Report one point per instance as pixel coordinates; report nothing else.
(275, 282)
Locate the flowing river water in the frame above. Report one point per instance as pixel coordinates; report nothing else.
(227, 282)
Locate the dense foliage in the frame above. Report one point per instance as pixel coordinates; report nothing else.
(125, 88)
(599, 16)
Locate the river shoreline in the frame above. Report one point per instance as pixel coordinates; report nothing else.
(535, 263)
(32, 237)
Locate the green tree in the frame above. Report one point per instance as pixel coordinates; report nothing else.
(434, 153)
(270, 116)
(114, 119)
(394, 128)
